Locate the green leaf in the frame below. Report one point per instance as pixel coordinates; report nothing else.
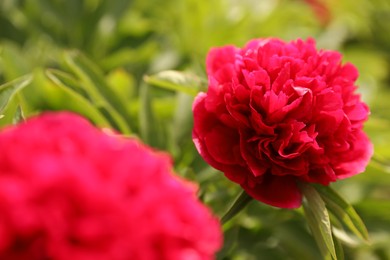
(238, 205)
(70, 86)
(13, 61)
(8, 90)
(182, 124)
(177, 81)
(316, 232)
(18, 116)
(98, 90)
(66, 81)
(150, 128)
(338, 248)
(146, 116)
(343, 211)
(318, 220)
(381, 163)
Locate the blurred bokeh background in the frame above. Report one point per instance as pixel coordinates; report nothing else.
(98, 58)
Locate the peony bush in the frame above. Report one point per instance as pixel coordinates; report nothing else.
(277, 114)
(71, 191)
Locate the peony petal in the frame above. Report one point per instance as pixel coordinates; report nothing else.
(203, 119)
(349, 71)
(259, 125)
(258, 78)
(221, 139)
(322, 175)
(328, 100)
(329, 122)
(356, 160)
(219, 57)
(250, 153)
(276, 191)
(283, 76)
(358, 112)
(238, 110)
(225, 74)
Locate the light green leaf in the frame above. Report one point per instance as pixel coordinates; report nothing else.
(313, 225)
(343, 211)
(8, 90)
(66, 81)
(318, 220)
(18, 116)
(98, 90)
(177, 81)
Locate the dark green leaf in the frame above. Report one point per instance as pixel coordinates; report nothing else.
(239, 204)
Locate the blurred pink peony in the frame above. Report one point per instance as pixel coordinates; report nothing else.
(279, 113)
(69, 191)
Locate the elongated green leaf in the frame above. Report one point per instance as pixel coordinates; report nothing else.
(181, 126)
(239, 204)
(182, 121)
(98, 90)
(8, 90)
(149, 128)
(314, 227)
(94, 79)
(176, 80)
(63, 79)
(18, 117)
(69, 85)
(381, 163)
(318, 220)
(338, 248)
(343, 211)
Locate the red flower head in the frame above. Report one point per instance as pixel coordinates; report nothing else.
(279, 113)
(69, 191)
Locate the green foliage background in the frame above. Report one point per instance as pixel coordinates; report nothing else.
(99, 58)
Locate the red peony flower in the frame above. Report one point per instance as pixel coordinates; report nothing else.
(278, 113)
(69, 191)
